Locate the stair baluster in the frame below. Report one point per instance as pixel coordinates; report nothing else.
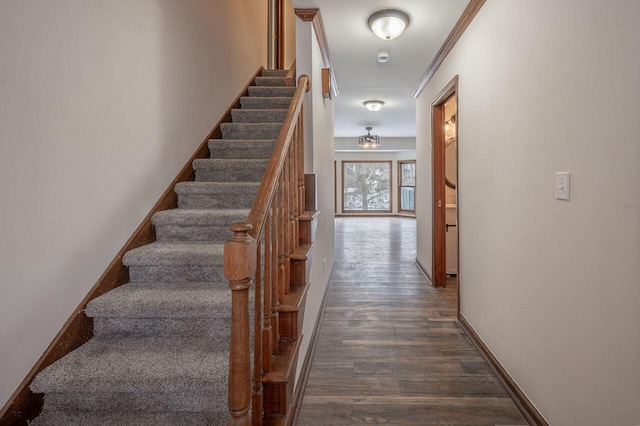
(239, 266)
(274, 222)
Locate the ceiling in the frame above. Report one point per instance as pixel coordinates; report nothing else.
(354, 48)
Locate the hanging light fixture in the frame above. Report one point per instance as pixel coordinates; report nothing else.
(373, 106)
(388, 23)
(369, 140)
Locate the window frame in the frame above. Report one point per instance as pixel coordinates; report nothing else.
(372, 212)
(400, 186)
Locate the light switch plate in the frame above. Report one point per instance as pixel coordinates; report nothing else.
(563, 185)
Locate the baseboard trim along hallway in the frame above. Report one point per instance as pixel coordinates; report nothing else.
(524, 404)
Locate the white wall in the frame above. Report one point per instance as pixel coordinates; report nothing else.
(101, 105)
(552, 287)
(318, 127)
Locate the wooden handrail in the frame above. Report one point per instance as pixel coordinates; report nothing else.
(261, 254)
(268, 186)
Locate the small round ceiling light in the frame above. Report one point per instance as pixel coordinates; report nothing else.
(388, 23)
(373, 106)
(383, 57)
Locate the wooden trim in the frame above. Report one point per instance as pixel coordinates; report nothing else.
(524, 404)
(313, 15)
(465, 19)
(272, 33)
(438, 181)
(369, 212)
(425, 272)
(438, 202)
(399, 167)
(280, 34)
(290, 78)
(24, 405)
(335, 187)
(311, 350)
(311, 192)
(326, 83)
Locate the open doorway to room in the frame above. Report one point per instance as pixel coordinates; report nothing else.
(445, 186)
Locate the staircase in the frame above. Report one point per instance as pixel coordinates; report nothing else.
(160, 351)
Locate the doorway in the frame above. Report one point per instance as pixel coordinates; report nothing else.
(445, 186)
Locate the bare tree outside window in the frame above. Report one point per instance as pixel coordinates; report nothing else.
(366, 186)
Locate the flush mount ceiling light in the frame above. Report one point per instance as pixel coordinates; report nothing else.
(373, 106)
(388, 23)
(369, 140)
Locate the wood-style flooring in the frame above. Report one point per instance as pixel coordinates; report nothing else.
(389, 350)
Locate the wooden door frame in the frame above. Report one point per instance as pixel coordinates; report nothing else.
(276, 36)
(438, 266)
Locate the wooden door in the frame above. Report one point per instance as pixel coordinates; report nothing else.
(439, 268)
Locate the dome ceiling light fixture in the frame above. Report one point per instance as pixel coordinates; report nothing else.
(373, 106)
(388, 23)
(369, 140)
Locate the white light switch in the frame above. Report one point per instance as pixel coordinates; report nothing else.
(563, 185)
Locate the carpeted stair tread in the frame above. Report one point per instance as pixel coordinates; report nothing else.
(57, 418)
(264, 115)
(265, 102)
(266, 91)
(241, 148)
(139, 365)
(175, 253)
(270, 81)
(216, 195)
(161, 327)
(196, 225)
(136, 403)
(155, 402)
(215, 188)
(199, 217)
(162, 300)
(229, 170)
(274, 73)
(250, 130)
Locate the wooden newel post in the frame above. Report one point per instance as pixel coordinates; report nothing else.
(239, 266)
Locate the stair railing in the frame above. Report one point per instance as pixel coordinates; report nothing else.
(259, 252)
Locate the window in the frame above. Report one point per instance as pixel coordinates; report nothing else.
(407, 184)
(366, 186)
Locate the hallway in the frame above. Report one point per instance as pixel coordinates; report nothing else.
(389, 350)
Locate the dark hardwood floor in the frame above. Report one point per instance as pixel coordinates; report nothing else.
(389, 348)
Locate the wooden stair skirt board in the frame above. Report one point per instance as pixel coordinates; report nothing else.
(278, 385)
(291, 312)
(308, 224)
(301, 265)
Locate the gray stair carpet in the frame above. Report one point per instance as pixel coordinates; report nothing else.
(160, 351)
